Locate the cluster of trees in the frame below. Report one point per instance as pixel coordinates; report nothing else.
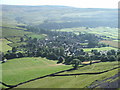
(59, 54)
(62, 46)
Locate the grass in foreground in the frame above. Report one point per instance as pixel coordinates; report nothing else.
(79, 81)
(98, 67)
(22, 69)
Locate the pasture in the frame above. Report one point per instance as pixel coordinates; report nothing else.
(19, 70)
(8, 32)
(76, 81)
(99, 49)
(13, 34)
(4, 45)
(97, 67)
(111, 43)
(38, 36)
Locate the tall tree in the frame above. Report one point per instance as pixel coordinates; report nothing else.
(75, 63)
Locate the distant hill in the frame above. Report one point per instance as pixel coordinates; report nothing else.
(59, 16)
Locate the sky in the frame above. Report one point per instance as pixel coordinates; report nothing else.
(73, 3)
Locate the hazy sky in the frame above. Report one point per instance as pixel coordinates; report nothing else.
(74, 3)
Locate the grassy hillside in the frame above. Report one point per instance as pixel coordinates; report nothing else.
(4, 45)
(8, 32)
(19, 70)
(38, 36)
(98, 67)
(11, 36)
(79, 81)
(62, 16)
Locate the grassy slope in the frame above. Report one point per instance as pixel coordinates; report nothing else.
(38, 36)
(9, 33)
(23, 69)
(39, 14)
(13, 32)
(98, 67)
(4, 46)
(80, 81)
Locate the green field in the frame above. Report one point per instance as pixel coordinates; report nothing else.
(14, 39)
(14, 36)
(4, 46)
(16, 44)
(22, 69)
(98, 67)
(7, 32)
(79, 81)
(38, 36)
(106, 31)
(99, 49)
(111, 43)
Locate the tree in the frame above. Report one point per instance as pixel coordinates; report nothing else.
(62, 52)
(90, 62)
(93, 51)
(14, 49)
(118, 52)
(112, 58)
(75, 63)
(92, 44)
(51, 56)
(113, 52)
(60, 59)
(19, 55)
(104, 58)
(118, 58)
(81, 57)
(21, 39)
(68, 60)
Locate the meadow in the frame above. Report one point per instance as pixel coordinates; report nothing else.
(98, 67)
(99, 49)
(76, 81)
(11, 37)
(8, 32)
(4, 45)
(111, 43)
(38, 36)
(19, 70)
